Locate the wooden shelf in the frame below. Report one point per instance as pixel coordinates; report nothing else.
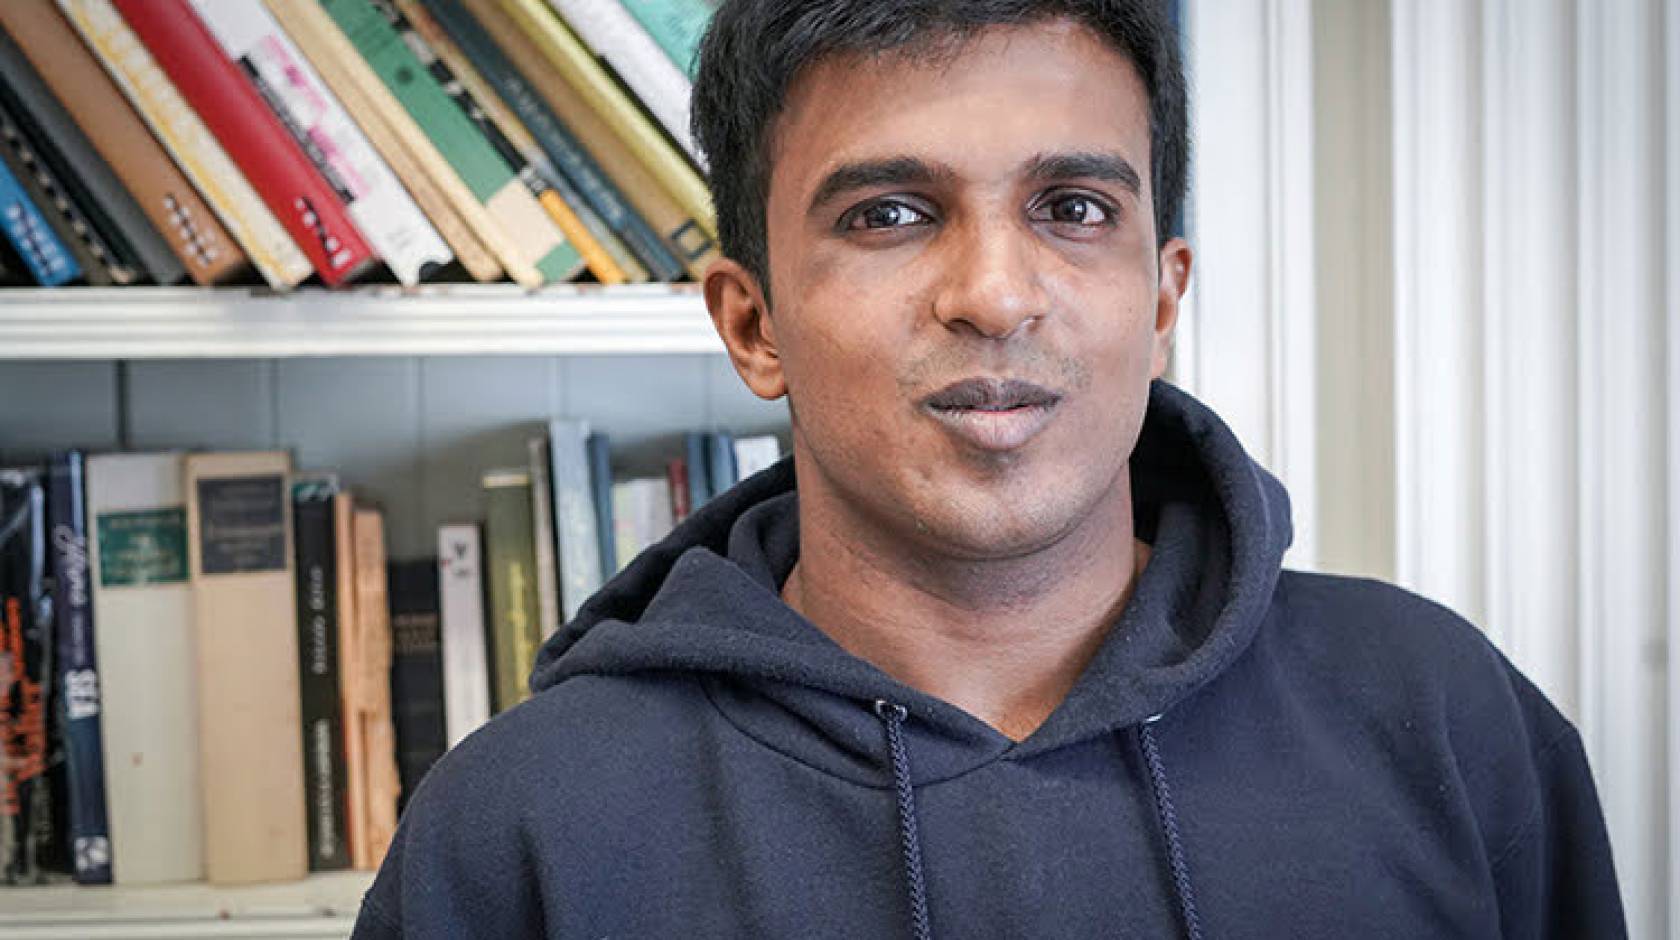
(318, 906)
(255, 323)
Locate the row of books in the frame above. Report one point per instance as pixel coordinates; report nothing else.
(210, 669)
(348, 140)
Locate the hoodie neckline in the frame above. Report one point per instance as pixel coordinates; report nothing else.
(705, 602)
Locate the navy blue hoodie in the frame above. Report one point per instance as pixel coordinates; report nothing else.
(1252, 752)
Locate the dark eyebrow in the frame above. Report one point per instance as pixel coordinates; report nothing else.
(1109, 167)
(864, 174)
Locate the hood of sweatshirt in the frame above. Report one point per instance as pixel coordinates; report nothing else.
(706, 601)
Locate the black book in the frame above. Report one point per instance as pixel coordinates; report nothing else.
(416, 671)
(90, 181)
(53, 195)
(324, 773)
(76, 704)
(29, 840)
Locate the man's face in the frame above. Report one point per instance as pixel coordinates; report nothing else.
(982, 219)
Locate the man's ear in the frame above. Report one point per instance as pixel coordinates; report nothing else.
(1174, 266)
(741, 316)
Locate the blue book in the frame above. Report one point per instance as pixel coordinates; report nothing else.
(600, 487)
(695, 456)
(77, 668)
(46, 257)
(720, 467)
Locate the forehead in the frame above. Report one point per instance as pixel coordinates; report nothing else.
(983, 105)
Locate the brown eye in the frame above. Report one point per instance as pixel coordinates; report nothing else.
(1074, 209)
(885, 215)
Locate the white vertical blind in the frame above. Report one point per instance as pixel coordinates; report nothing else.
(1497, 388)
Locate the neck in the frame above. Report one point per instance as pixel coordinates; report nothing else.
(1004, 639)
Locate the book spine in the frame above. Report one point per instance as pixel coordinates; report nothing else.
(542, 536)
(75, 78)
(143, 606)
(94, 187)
(510, 138)
(351, 673)
(515, 631)
(373, 613)
(676, 478)
(698, 463)
(575, 523)
(720, 464)
(379, 206)
(99, 265)
(78, 670)
(183, 133)
(25, 645)
(318, 674)
(416, 671)
(600, 487)
(570, 158)
(466, 667)
(618, 39)
(595, 85)
(245, 624)
(460, 219)
(677, 25)
(536, 252)
(311, 211)
(48, 261)
(680, 234)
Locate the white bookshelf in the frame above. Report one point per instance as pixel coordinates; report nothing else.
(318, 906)
(133, 323)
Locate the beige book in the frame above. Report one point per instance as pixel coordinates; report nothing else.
(239, 533)
(178, 127)
(373, 678)
(403, 144)
(148, 666)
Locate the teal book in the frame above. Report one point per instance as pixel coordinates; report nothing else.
(676, 25)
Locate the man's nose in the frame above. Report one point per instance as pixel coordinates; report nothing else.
(991, 281)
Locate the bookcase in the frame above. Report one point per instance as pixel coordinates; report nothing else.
(408, 394)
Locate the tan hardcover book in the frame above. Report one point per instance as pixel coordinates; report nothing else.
(687, 238)
(349, 678)
(244, 607)
(373, 650)
(77, 80)
(181, 131)
(460, 218)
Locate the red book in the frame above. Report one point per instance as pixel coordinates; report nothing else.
(309, 208)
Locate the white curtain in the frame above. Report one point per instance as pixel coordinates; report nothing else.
(1438, 292)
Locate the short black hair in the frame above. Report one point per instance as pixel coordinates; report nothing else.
(756, 48)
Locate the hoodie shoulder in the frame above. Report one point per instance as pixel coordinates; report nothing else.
(515, 799)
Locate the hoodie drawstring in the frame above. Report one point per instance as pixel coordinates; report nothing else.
(892, 718)
(1169, 827)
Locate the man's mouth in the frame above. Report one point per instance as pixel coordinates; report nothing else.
(993, 414)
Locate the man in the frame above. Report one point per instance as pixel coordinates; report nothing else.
(1015, 656)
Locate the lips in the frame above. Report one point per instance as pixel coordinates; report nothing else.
(993, 414)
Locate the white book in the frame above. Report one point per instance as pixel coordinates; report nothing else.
(466, 663)
(575, 525)
(626, 542)
(542, 533)
(753, 454)
(615, 36)
(143, 603)
(374, 197)
(651, 510)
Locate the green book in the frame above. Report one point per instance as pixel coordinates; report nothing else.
(377, 30)
(514, 626)
(676, 25)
